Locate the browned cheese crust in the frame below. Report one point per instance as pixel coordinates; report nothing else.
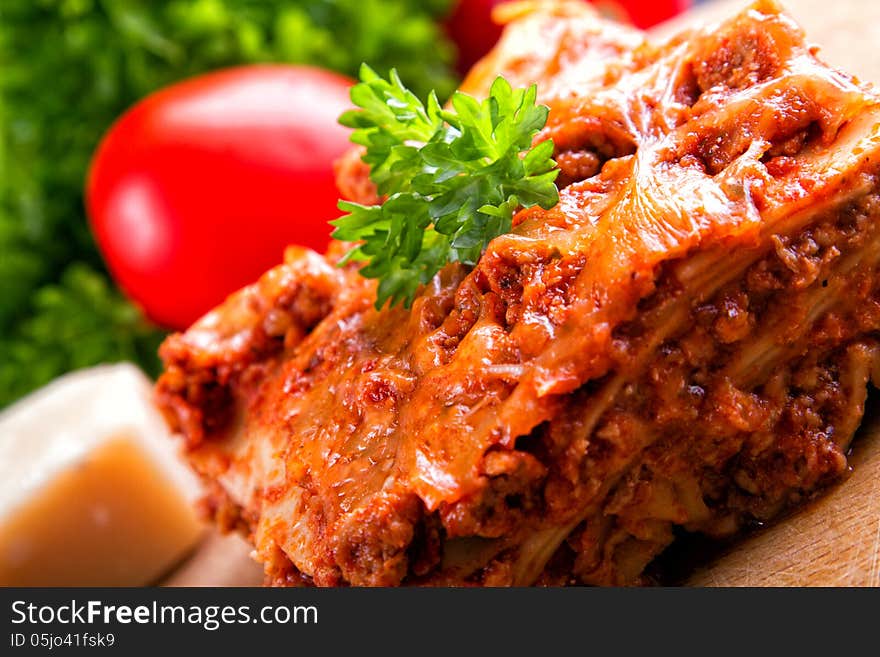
(683, 342)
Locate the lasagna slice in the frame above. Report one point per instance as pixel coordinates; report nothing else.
(682, 344)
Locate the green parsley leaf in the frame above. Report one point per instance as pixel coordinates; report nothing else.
(452, 178)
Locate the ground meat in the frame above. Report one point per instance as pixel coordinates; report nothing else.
(682, 343)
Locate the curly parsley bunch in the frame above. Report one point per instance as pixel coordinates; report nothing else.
(452, 177)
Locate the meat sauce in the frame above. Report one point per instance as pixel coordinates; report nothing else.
(684, 340)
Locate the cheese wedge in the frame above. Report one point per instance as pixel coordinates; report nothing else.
(92, 491)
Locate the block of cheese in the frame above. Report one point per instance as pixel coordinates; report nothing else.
(92, 489)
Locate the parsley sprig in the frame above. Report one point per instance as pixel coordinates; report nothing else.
(452, 178)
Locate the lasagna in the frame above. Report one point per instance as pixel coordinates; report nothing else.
(683, 344)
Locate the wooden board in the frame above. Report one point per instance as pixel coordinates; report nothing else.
(834, 541)
(219, 561)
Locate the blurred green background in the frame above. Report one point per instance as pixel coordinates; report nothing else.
(69, 68)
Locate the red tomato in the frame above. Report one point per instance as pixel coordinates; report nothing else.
(645, 13)
(198, 188)
(471, 27)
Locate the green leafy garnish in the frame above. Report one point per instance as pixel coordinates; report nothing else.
(452, 178)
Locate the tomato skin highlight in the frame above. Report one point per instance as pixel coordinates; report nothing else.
(196, 190)
(647, 13)
(471, 27)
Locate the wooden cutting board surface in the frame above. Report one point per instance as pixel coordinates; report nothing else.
(833, 541)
